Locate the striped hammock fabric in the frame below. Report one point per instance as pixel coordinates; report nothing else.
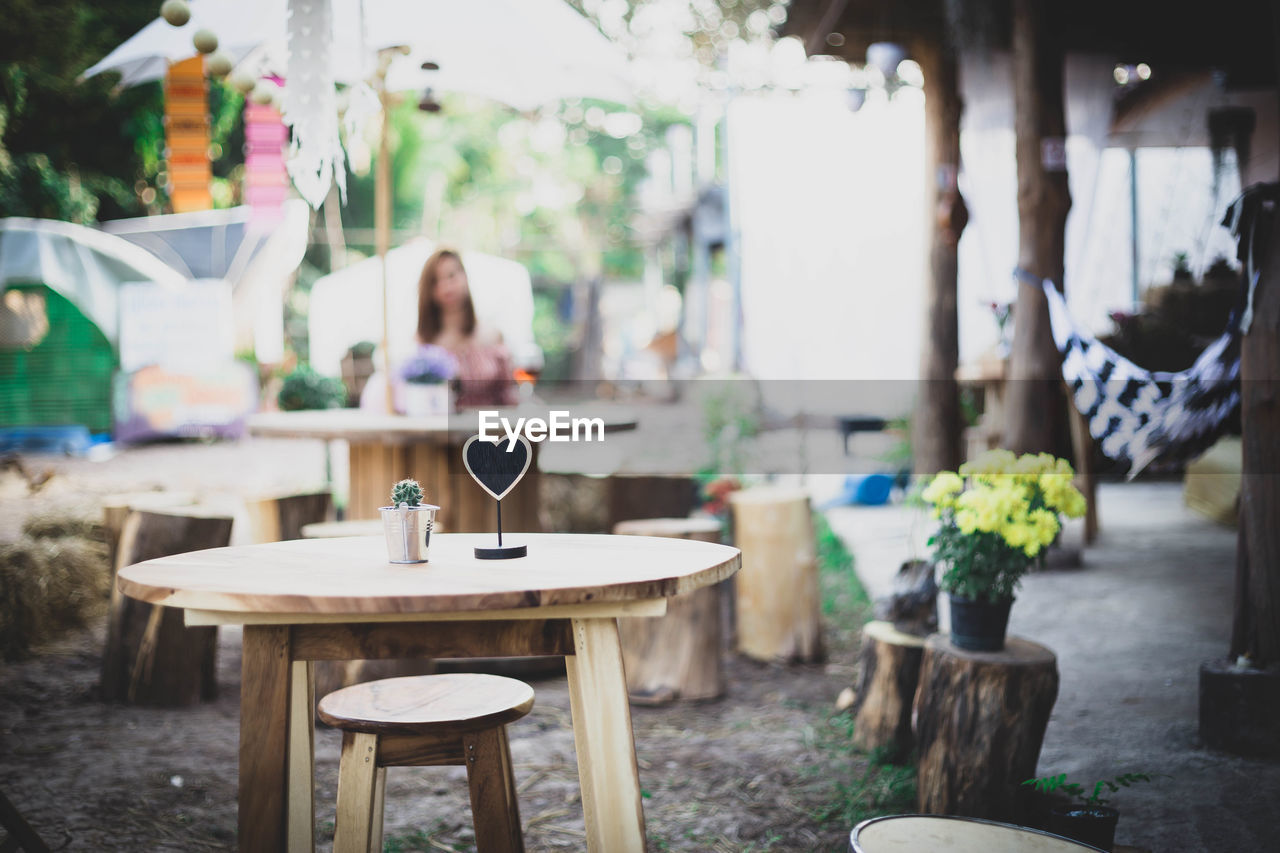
(1140, 417)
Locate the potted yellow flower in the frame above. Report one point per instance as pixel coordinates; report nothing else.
(998, 515)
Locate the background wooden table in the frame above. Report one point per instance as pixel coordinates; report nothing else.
(339, 599)
(387, 448)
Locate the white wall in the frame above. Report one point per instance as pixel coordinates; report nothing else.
(829, 208)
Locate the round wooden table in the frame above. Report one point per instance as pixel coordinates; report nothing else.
(385, 448)
(339, 599)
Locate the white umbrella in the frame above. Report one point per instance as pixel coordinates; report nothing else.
(520, 52)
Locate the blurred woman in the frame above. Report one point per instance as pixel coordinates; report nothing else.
(447, 318)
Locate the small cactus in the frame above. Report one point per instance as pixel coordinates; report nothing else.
(406, 492)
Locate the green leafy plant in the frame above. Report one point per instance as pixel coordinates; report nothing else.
(306, 389)
(1059, 783)
(406, 492)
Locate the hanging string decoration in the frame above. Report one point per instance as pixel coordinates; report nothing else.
(1140, 417)
(316, 158)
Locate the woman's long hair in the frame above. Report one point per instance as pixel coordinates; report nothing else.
(429, 320)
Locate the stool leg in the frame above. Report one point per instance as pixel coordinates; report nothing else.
(494, 808)
(379, 809)
(357, 785)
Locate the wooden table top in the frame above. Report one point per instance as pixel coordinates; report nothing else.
(353, 576)
(359, 425)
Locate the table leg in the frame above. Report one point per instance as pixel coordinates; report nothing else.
(603, 738)
(302, 757)
(264, 733)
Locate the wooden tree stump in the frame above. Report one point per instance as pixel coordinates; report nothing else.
(637, 498)
(889, 671)
(281, 518)
(676, 656)
(980, 721)
(151, 656)
(778, 604)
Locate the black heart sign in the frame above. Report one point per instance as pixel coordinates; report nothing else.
(496, 465)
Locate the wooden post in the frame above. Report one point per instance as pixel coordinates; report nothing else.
(1258, 622)
(778, 602)
(1240, 696)
(151, 657)
(937, 427)
(678, 655)
(888, 673)
(1035, 414)
(980, 721)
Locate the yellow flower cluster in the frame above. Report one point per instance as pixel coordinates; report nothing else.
(1017, 497)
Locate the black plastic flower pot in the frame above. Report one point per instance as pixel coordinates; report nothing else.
(1094, 825)
(979, 625)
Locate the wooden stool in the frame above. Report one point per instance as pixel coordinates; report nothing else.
(151, 657)
(428, 720)
(779, 604)
(889, 670)
(980, 721)
(279, 518)
(676, 656)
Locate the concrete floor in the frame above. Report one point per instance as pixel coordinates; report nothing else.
(1130, 630)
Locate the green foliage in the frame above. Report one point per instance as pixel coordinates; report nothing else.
(306, 389)
(552, 187)
(1059, 783)
(979, 565)
(862, 786)
(843, 596)
(553, 335)
(406, 492)
(82, 150)
(73, 149)
(730, 416)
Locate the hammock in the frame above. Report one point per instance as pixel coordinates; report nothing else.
(1139, 416)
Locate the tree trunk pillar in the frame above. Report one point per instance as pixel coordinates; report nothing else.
(1035, 412)
(937, 428)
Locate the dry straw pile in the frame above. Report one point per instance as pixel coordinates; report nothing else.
(54, 578)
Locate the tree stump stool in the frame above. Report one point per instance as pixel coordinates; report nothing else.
(888, 673)
(281, 518)
(778, 603)
(151, 656)
(980, 721)
(427, 721)
(678, 655)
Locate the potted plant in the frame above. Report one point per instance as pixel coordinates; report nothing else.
(407, 523)
(426, 377)
(1089, 819)
(998, 514)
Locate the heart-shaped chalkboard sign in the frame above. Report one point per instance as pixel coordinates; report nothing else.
(496, 465)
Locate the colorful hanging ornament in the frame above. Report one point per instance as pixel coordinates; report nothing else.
(175, 12)
(218, 64)
(242, 81)
(316, 158)
(264, 92)
(205, 41)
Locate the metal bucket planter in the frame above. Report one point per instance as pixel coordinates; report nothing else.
(408, 531)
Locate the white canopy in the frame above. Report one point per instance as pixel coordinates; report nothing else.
(519, 52)
(86, 266)
(346, 306)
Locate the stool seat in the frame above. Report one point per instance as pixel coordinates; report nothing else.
(455, 703)
(420, 721)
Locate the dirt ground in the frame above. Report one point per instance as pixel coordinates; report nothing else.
(767, 767)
